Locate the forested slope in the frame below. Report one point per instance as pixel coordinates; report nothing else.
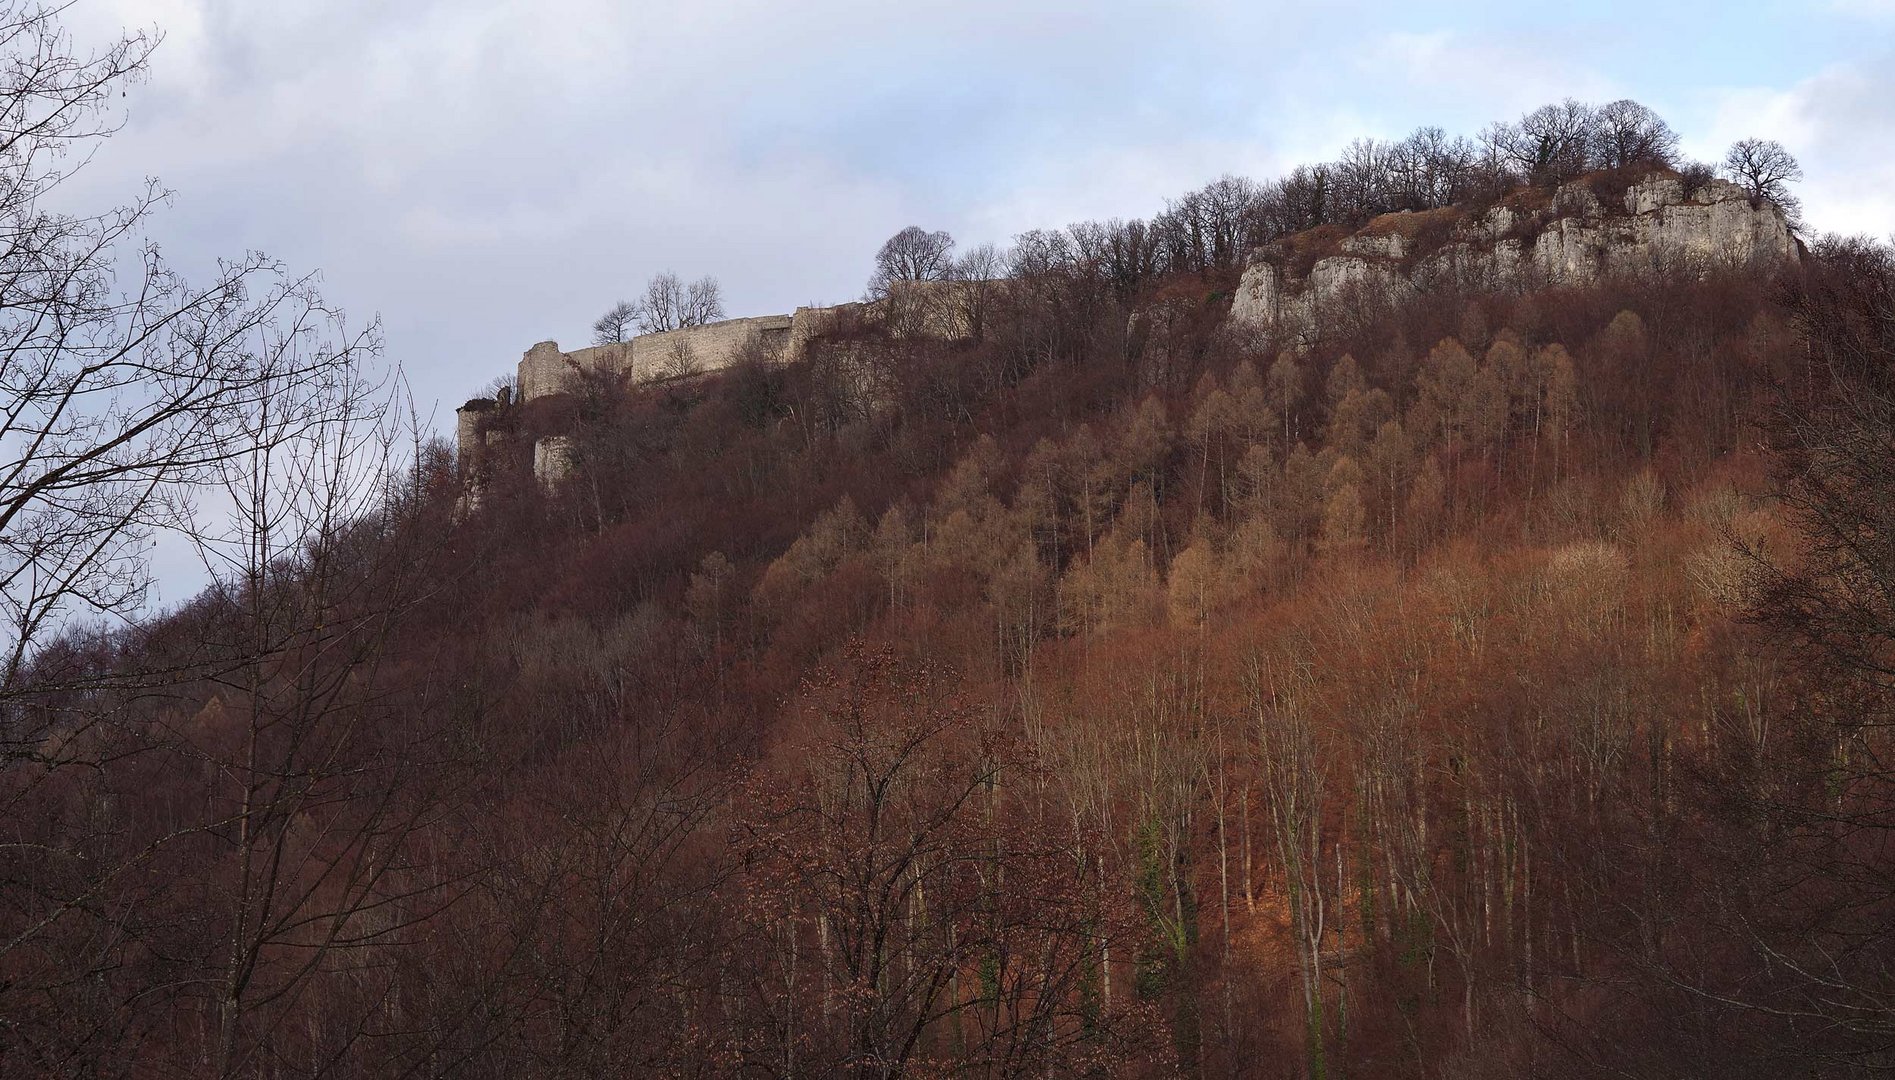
(1495, 687)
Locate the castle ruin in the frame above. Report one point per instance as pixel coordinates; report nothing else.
(916, 308)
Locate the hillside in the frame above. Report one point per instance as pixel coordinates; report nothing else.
(1272, 655)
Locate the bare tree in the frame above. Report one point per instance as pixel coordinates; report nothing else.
(1294, 782)
(885, 874)
(118, 398)
(1549, 145)
(1430, 170)
(1210, 228)
(1364, 178)
(703, 303)
(128, 395)
(912, 255)
(1122, 254)
(679, 361)
(982, 263)
(1764, 169)
(1819, 918)
(670, 304)
(1627, 133)
(658, 308)
(977, 271)
(615, 326)
(1302, 200)
(311, 576)
(504, 388)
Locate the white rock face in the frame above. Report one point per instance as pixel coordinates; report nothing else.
(552, 459)
(1387, 246)
(1579, 241)
(1655, 191)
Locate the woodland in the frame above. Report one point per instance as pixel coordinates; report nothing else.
(1496, 686)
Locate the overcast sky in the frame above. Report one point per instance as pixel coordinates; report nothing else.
(486, 174)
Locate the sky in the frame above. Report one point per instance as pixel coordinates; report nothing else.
(482, 175)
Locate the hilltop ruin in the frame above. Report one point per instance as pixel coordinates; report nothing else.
(918, 308)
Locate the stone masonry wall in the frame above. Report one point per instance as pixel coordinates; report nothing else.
(545, 368)
(913, 309)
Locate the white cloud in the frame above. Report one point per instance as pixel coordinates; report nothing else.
(1839, 125)
(1109, 181)
(488, 173)
(1503, 73)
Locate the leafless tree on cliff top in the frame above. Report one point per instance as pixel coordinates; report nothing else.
(615, 326)
(1627, 133)
(670, 304)
(1430, 169)
(1766, 170)
(1548, 146)
(703, 303)
(912, 255)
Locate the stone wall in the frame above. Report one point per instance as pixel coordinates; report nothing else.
(1572, 240)
(912, 309)
(810, 323)
(471, 422)
(479, 433)
(546, 369)
(543, 370)
(467, 426)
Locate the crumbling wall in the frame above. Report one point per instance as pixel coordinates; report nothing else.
(543, 371)
(477, 435)
(546, 369)
(912, 309)
(705, 348)
(467, 426)
(471, 422)
(810, 323)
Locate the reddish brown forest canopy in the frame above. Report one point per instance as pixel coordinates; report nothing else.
(1497, 687)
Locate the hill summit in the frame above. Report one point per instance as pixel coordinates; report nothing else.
(1576, 234)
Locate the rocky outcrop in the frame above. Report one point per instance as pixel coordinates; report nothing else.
(1571, 238)
(552, 459)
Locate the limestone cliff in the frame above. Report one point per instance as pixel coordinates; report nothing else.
(1531, 240)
